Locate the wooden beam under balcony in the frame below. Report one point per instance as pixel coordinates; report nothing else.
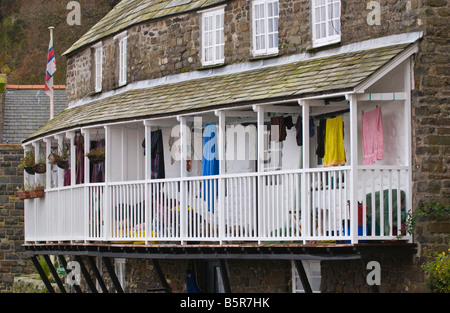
(205, 251)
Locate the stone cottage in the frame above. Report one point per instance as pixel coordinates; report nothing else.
(245, 146)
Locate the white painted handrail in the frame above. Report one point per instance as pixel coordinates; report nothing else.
(258, 207)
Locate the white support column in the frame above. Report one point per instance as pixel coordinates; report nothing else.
(72, 155)
(48, 171)
(261, 157)
(87, 179)
(353, 168)
(305, 130)
(222, 169)
(304, 192)
(37, 150)
(183, 183)
(148, 176)
(124, 167)
(107, 210)
(60, 139)
(408, 133)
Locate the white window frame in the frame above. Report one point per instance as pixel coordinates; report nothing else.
(314, 280)
(98, 66)
(120, 267)
(213, 36)
(265, 27)
(123, 46)
(331, 25)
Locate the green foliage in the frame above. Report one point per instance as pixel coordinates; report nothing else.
(28, 160)
(437, 272)
(429, 210)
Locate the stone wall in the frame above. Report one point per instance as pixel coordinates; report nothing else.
(431, 122)
(171, 45)
(13, 259)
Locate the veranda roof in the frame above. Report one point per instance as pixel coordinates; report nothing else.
(332, 74)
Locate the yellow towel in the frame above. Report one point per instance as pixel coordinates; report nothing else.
(334, 142)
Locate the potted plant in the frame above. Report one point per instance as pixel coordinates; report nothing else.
(28, 162)
(96, 155)
(37, 191)
(40, 167)
(30, 191)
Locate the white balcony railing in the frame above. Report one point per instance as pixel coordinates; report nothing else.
(296, 205)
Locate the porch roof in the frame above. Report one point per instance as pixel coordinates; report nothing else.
(332, 74)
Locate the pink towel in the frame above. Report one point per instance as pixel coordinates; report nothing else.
(372, 136)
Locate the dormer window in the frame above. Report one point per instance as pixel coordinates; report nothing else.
(265, 27)
(326, 22)
(122, 55)
(213, 41)
(98, 67)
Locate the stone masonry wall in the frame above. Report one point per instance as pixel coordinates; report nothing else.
(13, 259)
(171, 45)
(431, 117)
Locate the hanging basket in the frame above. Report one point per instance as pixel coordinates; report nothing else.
(40, 168)
(29, 170)
(96, 155)
(95, 159)
(63, 163)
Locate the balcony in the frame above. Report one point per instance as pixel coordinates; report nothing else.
(284, 194)
(291, 206)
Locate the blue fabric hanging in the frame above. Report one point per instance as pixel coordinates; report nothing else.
(210, 164)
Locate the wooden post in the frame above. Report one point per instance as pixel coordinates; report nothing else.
(107, 209)
(304, 192)
(221, 142)
(353, 168)
(148, 176)
(261, 130)
(87, 179)
(183, 183)
(408, 134)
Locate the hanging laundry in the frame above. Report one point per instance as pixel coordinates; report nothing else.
(79, 146)
(372, 136)
(210, 164)
(320, 151)
(299, 129)
(157, 155)
(277, 129)
(288, 122)
(67, 171)
(334, 142)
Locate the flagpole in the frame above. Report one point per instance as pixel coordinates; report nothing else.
(51, 28)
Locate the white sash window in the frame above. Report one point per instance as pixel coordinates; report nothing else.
(265, 27)
(98, 58)
(213, 41)
(326, 22)
(121, 51)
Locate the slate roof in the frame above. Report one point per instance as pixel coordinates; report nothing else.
(27, 108)
(335, 73)
(132, 12)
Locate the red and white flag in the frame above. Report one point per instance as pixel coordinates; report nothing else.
(51, 69)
